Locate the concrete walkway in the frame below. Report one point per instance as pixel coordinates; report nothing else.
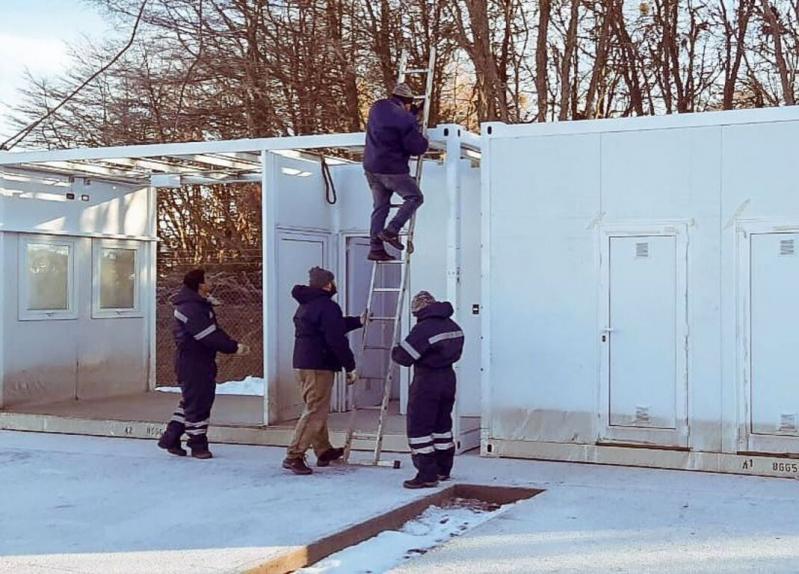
(602, 519)
(84, 504)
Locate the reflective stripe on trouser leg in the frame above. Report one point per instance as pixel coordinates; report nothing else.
(197, 428)
(443, 440)
(179, 416)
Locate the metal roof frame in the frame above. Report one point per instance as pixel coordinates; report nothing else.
(206, 162)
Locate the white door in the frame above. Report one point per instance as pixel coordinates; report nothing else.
(297, 253)
(773, 362)
(642, 338)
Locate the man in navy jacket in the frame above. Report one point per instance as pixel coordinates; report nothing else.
(198, 339)
(321, 349)
(433, 346)
(392, 137)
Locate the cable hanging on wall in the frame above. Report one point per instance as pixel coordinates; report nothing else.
(330, 188)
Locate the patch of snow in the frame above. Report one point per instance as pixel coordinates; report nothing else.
(432, 528)
(250, 386)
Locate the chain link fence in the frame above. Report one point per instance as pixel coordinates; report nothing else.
(236, 282)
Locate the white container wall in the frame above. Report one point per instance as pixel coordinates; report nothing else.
(309, 231)
(76, 287)
(637, 282)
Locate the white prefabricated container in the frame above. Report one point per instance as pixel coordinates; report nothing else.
(308, 231)
(638, 290)
(76, 277)
(49, 203)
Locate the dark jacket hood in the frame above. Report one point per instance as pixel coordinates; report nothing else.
(305, 294)
(439, 309)
(186, 295)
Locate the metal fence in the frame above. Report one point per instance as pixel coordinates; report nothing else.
(237, 284)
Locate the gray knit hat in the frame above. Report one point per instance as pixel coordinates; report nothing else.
(403, 91)
(421, 300)
(318, 277)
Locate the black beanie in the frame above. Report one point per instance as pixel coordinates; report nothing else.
(318, 277)
(193, 278)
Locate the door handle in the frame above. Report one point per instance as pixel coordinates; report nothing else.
(605, 332)
(608, 330)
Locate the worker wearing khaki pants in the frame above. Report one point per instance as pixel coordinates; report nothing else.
(311, 430)
(321, 349)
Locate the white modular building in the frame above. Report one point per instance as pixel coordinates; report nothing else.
(78, 281)
(638, 291)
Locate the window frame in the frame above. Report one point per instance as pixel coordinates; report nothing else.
(23, 298)
(98, 312)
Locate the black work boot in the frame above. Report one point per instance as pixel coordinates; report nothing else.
(201, 453)
(392, 238)
(170, 441)
(380, 255)
(329, 456)
(417, 482)
(296, 465)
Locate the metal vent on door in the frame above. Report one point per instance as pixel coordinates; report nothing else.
(642, 249)
(786, 247)
(788, 422)
(642, 414)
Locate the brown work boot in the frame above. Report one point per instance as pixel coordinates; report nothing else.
(380, 255)
(392, 238)
(296, 465)
(329, 456)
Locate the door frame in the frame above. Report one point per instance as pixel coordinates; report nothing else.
(285, 233)
(658, 437)
(747, 440)
(342, 399)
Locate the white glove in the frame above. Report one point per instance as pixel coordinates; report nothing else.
(213, 301)
(243, 349)
(364, 318)
(352, 377)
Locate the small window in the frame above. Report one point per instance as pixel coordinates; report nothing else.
(117, 279)
(47, 279)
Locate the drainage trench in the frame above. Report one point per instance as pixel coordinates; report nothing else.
(401, 534)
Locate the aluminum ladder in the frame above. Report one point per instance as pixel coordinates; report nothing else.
(399, 290)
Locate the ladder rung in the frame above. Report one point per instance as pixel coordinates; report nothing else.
(418, 71)
(370, 407)
(395, 464)
(382, 318)
(393, 262)
(364, 436)
(387, 289)
(376, 348)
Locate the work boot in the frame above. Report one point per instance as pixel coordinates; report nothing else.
(419, 483)
(296, 465)
(170, 446)
(329, 456)
(392, 238)
(380, 255)
(201, 453)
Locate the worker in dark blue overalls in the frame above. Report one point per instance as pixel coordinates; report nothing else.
(433, 346)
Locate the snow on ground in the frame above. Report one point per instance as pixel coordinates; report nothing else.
(250, 386)
(84, 504)
(388, 549)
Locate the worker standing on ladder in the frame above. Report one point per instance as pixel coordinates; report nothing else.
(433, 346)
(392, 137)
(321, 349)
